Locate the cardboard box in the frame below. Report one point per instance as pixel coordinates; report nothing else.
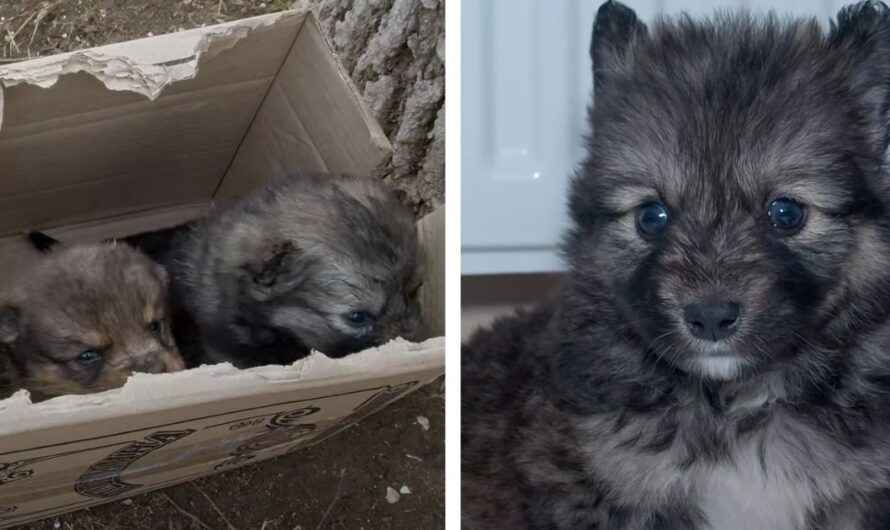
(143, 135)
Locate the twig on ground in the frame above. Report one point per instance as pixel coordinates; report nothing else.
(214, 506)
(324, 518)
(10, 35)
(191, 516)
(40, 16)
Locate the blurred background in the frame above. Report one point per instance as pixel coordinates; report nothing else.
(525, 84)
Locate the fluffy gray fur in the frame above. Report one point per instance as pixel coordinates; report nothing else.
(276, 274)
(108, 299)
(599, 409)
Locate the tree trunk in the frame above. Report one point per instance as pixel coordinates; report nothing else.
(394, 50)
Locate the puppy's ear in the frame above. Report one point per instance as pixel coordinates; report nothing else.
(42, 242)
(863, 29)
(161, 274)
(10, 324)
(281, 267)
(614, 28)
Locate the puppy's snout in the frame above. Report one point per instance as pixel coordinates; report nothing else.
(712, 319)
(157, 363)
(148, 365)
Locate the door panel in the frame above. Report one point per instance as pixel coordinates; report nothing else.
(526, 83)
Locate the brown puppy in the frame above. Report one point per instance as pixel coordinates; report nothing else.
(84, 319)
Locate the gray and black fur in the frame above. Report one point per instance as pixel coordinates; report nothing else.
(267, 278)
(601, 408)
(277, 274)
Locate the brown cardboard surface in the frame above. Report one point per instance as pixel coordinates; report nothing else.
(312, 121)
(71, 153)
(432, 293)
(142, 135)
(75, 451)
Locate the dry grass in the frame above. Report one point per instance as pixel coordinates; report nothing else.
(35, 28)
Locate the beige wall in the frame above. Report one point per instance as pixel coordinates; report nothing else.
(484, 298)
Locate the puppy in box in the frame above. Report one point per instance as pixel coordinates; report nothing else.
(312, 262)
(83, 320)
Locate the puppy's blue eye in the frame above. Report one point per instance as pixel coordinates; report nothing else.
(652, 219)
(89, 356)
(357, 318)
(786, 214)
(154, 326)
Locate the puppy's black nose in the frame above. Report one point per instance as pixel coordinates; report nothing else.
(714, 320)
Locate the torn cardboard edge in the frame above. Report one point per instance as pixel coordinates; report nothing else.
(155, 392)
(273, 94)
(137, 66)
(134, 66)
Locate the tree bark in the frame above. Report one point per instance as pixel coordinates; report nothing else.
(394, 50)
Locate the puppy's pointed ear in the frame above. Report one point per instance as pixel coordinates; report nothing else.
(863, 30)
(614, 28)
(10, 324)
(42, 242)
(281, 267)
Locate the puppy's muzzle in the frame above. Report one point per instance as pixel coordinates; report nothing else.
(158, 362)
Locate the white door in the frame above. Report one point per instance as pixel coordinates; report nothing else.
(526, 82)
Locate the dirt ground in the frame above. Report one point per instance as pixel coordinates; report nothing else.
(341, 483)
(306, 490)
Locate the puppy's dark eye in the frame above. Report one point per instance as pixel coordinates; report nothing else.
(154, 326)
(652, 219)
(89, 357)
(786, 215)
(358, 318)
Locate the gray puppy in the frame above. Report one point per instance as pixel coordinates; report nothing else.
(719, 356)
(317, 262)
(84, 320)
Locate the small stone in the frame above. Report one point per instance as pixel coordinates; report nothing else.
(424, 422)
(413, 457)
(127, 502)
(58, 524)
(392, 496)
(405, 490)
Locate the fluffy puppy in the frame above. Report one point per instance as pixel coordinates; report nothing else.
(85, 319)
(317, 262)
(719, 356)
(320, 262)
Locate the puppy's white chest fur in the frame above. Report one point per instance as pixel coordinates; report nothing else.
(745, 497)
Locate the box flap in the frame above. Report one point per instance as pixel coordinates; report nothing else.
(87, 135)
(432, 292)
(76, 451)
(312, 118)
